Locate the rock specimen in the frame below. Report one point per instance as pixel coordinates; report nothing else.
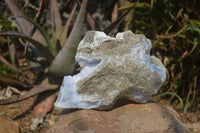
(131, 118)
(112, 68)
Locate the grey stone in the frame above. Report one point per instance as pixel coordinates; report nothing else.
(112, 68)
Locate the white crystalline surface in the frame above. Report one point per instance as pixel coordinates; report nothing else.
(112, 68)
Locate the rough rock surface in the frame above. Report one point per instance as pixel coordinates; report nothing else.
(8, 126)
(112, 68)
(131, 118)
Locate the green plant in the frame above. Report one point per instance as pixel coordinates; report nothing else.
(53, 47)
(6, 24)
(53, 44)
(174, 28)
(49, 45)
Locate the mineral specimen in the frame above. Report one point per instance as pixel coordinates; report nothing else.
(112, 68)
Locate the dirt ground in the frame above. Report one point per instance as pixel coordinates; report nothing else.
(21, 112)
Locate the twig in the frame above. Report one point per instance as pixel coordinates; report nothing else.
(115, 24)
(91, 21)
(36, 19)
(173, 35)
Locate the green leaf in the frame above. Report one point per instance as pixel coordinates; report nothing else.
(64, 62)
(43, 49)
(195, 28)
(56, 25)
(182, 35)
(195, 21)
(24, 24)
(39, 28)
(55, 17)
(173, 94)
(63, 36)
(187, 103)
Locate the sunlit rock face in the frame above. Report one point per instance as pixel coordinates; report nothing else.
(112, 68)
